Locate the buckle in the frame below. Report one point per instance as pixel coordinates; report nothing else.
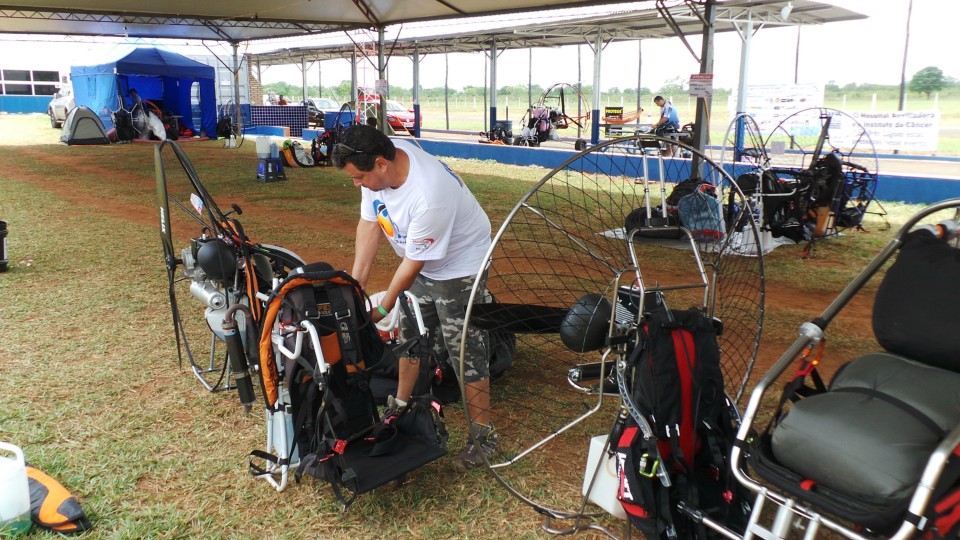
(648, 467)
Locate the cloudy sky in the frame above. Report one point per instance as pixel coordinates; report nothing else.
(867, 51)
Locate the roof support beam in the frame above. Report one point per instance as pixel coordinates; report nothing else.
(367, 12)
(493, 83)
(382, 76)
(595, 114)
(416, 91)
(702, 120)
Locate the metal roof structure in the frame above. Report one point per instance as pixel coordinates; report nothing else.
(245, 20)
(660, 21)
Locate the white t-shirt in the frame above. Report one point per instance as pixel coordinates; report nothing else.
(432, 217)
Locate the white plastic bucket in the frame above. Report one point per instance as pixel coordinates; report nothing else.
(14, 492)
(607, 485)
(263, 147)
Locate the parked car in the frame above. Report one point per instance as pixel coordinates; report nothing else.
(317, 107)
(399, 117)
(59, 106)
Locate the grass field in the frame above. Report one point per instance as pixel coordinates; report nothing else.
(468, 113)
(89, 382)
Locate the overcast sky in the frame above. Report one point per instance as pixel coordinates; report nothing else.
(867, 51)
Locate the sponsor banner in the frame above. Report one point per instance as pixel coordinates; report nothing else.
(770, 104)
(901, 130)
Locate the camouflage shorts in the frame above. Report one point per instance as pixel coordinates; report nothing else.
(443, 305)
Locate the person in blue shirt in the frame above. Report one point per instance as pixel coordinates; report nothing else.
(669, 121)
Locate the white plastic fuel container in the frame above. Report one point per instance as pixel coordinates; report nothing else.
(263, 147)
(14, 491)
(604, 492)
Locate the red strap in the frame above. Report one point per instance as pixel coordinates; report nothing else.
(340, 446)
(685, 351)
(947, 521)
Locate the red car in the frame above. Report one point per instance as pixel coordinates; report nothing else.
(399, 117)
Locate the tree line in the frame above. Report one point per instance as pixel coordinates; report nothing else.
(927, 81)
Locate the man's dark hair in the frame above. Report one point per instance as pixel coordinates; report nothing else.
(658, 98)
(361, 145)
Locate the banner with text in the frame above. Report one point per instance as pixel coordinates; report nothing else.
(770, 104)
(901, 130)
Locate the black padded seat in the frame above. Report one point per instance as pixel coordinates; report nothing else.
(870, 436)
(859, 449)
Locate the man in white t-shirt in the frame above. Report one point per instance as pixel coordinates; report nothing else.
(434, 223)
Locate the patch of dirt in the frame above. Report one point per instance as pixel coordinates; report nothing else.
(134, 213)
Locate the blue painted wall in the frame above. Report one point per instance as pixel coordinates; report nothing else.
(24, 104)
(910, 189)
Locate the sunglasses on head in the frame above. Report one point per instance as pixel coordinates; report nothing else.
(343, 150)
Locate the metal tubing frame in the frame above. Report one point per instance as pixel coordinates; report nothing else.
(810, 334)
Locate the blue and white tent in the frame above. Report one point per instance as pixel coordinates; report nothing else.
(163, 77)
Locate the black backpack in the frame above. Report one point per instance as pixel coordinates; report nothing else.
(677, 386)
(224, 127)
(336, 430)
(686, 187)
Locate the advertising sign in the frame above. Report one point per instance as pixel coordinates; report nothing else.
(770, 104)
(701, 85)
(901, 130)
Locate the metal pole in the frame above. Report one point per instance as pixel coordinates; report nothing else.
(493, 83)
(903, 68)
(236, 75)
(530, 78)
(382, 75)
(319, 79)
(595, 115)
(706, 66)
(353, 78)
(416, 90)
(303, 75)
(446, 88)
(579, 87)
(485, 91)
(639, 69)
(796, 59)
(742, 84)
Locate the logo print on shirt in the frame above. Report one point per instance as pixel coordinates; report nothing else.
(387, 224)
(421, 245)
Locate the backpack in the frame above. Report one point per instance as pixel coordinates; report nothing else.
(701, 214)
(678, 389)
(687, 187)
(124, 125)
(333, 424)
(784, 207)
(224, 127)
(297, 154)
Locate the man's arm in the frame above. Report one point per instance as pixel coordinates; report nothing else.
(403, 278)
(367, 243)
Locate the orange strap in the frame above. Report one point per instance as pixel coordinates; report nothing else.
(268, 364)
